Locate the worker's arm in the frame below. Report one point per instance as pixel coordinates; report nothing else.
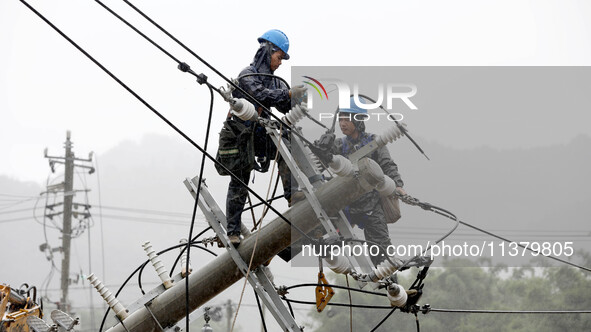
(257, 86)
(389, 167)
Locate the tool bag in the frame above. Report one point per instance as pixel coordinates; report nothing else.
(236, 147)
(391, 207)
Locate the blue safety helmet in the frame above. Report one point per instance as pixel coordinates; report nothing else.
(353, 108)
(278, 38)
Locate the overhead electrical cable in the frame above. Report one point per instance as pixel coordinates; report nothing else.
(525, 247)
(195, 205)
(163, 118)
(183, 66)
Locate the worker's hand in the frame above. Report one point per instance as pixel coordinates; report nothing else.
(297, 94)
(326, 141)
(402, 126)
(401, 191)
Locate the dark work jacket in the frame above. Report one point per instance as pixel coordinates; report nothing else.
(270, 91)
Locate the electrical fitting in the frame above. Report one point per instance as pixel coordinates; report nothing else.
(243, 109)
(157, 263)
(392, 134)
(341, 166)
(106, 294)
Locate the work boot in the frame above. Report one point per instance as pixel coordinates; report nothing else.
(235, 240)
(296, 197)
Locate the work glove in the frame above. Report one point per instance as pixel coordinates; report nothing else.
(326, 141)
(298, 93)
(321, 147)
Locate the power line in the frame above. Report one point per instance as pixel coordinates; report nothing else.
(524, 247)
(583, 233)
(11, 204)
(18, 196)
(16, 219)
(147, 220)
(96, 167)
(20, 210)
(363, 306)
(117, 217)
(518, 230)
(155, 212)
(116, 208)
(541, 312)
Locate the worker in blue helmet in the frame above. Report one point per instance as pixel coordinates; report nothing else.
(277, 38)
(367, 211)
(271, 92)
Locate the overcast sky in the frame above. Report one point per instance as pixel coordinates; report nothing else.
(47, 86)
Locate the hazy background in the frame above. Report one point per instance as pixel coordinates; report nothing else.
(520, 171)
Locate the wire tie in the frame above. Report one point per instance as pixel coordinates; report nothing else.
(184, 67)
(201, 78)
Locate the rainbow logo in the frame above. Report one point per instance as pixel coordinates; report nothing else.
(316, 87)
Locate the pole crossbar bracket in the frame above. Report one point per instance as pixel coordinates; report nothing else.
(258, 279)
(303, 168)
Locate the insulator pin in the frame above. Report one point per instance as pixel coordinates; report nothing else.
(339, 264)
(296, 113)
(397, 295)
(341, 165)
(157, 263)
(106, 294)
(386, 187)
(392, 134)
(243, 109)
(184, 272)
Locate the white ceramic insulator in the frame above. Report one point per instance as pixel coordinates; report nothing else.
(386, 187)
(316, 162)
(184, 259)
(106, 294)
(383, 270)
(243, 109)
(157, 263)
(295, 114)
(339, 264)
(392, 134)
(371, 173)
(341, 165)
(397, 295)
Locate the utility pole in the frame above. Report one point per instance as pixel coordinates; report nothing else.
(67, 224)
(68, 190)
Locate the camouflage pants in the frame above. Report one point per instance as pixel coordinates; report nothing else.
(374, 228)
(237, 194)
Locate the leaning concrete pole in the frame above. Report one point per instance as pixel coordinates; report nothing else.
(169, 307)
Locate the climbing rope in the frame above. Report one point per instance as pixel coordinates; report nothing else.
(256, 239)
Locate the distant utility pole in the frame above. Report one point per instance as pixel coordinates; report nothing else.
(68, 189)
